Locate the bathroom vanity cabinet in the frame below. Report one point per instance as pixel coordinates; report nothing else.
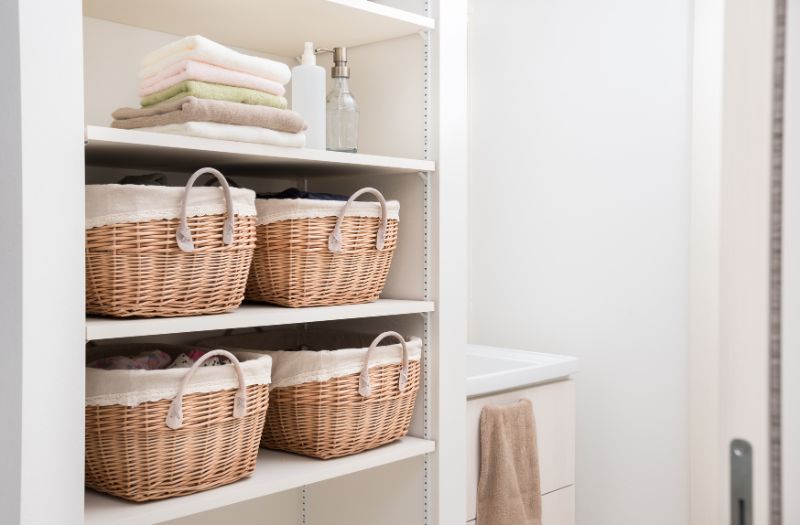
(497, 376)
(554, 410)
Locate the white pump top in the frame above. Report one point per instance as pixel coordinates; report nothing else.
(309, 57)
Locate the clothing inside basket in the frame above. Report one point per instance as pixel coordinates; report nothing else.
(316, 355)
(159, 179)
(294, 193)
(131, 387)
(314, 340)
(155, 359)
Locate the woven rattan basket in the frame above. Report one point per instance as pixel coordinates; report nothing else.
(173, 447)
(172, 266)
(322, 252)
(341, 412)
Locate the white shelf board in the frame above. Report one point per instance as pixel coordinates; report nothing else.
(275, 472)
(247, 316)
(277, 27)
(147, 150)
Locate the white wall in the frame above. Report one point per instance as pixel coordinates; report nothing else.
(579, 232)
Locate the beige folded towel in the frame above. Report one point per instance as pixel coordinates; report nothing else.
(509, 490)
(192, 109)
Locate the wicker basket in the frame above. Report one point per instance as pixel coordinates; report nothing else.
(318, 253)
(324, 411)
(172, 447)
(138, 269)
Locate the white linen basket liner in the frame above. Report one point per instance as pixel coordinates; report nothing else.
(274, 210)
(108, 204)
(332, 354)
(133, 387)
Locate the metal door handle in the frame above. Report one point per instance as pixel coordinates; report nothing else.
(741, 459)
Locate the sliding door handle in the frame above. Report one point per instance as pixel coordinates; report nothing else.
(741, 482)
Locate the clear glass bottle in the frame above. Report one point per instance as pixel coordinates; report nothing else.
(341, 108)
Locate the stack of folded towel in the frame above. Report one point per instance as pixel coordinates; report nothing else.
(200, 88)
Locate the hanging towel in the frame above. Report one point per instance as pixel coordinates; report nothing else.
(252, 134)
(192, 109)
(204, 50)
(509, 490)
(191, 70)
(198, 89)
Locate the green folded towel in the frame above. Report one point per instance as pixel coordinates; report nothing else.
(207, 90)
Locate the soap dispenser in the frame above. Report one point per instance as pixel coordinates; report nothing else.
(341, 107)
(308, 96)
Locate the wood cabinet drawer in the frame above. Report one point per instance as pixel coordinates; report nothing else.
(554, 409)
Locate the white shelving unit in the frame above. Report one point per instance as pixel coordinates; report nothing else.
(249, 315)
(411, 87)
(112, 147)
(339, 22)
(268, 26)
(275, 472)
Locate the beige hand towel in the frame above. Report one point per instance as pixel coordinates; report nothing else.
(509, 490)
(192, 109)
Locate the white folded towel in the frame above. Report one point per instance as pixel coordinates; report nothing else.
(215, 130)
(204, 50)
(192, 70)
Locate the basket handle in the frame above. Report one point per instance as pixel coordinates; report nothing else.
(335, 239)
(364, 387)
(183, 235)
(175, 413)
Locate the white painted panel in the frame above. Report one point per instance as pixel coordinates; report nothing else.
(11, 262)
(386, 80)
(450, 149)
(705, 484)
(279, 509)
(554, 410)
(744, 244)
(578, 227)
(41, 226)
(558, 508)
(390, 495)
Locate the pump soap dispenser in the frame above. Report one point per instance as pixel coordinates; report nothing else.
(308, 96)
(342, 109)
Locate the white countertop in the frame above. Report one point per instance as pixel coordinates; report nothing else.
(493, 369)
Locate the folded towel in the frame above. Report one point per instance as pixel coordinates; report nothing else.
(199, 89)
(192, 109)
(509, 489)
(191, 70)
(214, 130)
(204, 50)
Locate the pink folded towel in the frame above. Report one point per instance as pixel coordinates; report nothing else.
(202, 49)
(193, 70)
